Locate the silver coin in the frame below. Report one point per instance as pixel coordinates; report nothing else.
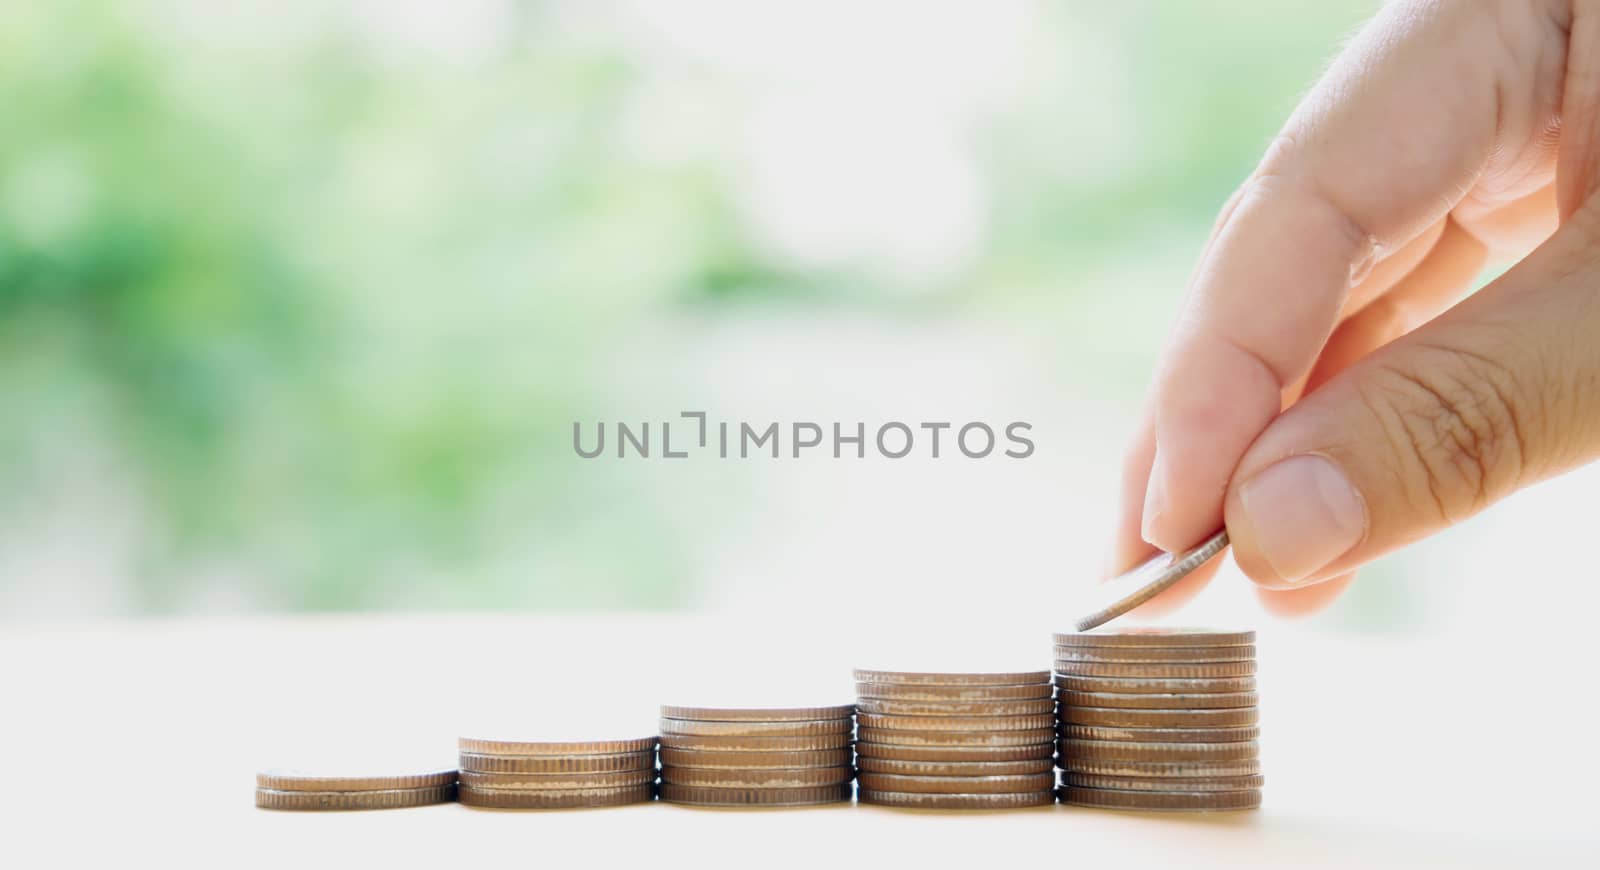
(1151, 579)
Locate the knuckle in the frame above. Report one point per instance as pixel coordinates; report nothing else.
(1454, 429)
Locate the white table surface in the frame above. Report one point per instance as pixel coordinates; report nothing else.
(136, 743)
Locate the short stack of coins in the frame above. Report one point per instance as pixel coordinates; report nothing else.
(947, 741)
(515, 775)
(756, 757)
(294, 790)
(1158, 719)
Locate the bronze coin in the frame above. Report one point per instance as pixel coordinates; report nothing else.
(1157, 670)
(895, 692)
(558, 763)
(957, 738)
(294, 780)
(756, 729)
(586, 747)
(1163, 783)
(1155, 636)
(1042, 706)
(869, 764)
(682, 758)
(914, 678)
(1120, 717)
(556, 781)
(1162, 801)
(381, 799)
(719, 743)
(916, 801)
(1161, 735)
(505, 799)
(1162, 769)
(751, 797)
(953, 753)
(1117, 750)
(956, 723)
(1121, 701)
(758, 714)
(1159, 654)
(798, 777)
(958, 784)
(1149, 686)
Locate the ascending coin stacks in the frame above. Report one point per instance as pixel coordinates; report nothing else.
(756, 757)
(1158, 719)
(515, 775)
(294, 790)
(954, 741)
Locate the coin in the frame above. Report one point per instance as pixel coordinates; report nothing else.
(1127, 718)
(952, 753)
(758, 714)
(1165, 654)
(558, 763)
(956, 723)
(913, 800)
(556, 781)
(957, 738)
(1043, 706)
(891, 691)
(372, 799)
(294, 780)
(958, 784)
(1151, 579)
(868, 764)
(770, 797)
(1161, 735)
(1247, 799)
(595, 747)
(756, 729)
(682, 758)
(1130, 751)
(719, 743)
(1155, 636)
(1123, 701)
(1162, 769)
(556, 800)
(798, 777)
(1163, 783)
(1158, 671)
(912, 678)
(1145, 686)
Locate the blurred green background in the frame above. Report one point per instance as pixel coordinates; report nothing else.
(299, 301)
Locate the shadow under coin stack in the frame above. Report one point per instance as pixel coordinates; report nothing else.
(756, 757)
(954, 741)
(511, 775)
(294, 790)
(1158, 719)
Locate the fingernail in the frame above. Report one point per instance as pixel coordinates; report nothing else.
(1302, 513)
(1155, 499)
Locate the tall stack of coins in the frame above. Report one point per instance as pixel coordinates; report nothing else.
(1158, 719)
(954, 741)
(536, 776)
(770, 757)
(294, 790)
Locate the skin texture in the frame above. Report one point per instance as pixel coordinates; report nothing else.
(1325, 326)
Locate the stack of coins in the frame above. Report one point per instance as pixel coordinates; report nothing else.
(771, 757)
(1158, 719)
(954, 741)
(536, 776)
(294, 790)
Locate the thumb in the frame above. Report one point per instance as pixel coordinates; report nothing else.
(1499, 392)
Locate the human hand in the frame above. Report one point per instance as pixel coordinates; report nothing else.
(1324, 392)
